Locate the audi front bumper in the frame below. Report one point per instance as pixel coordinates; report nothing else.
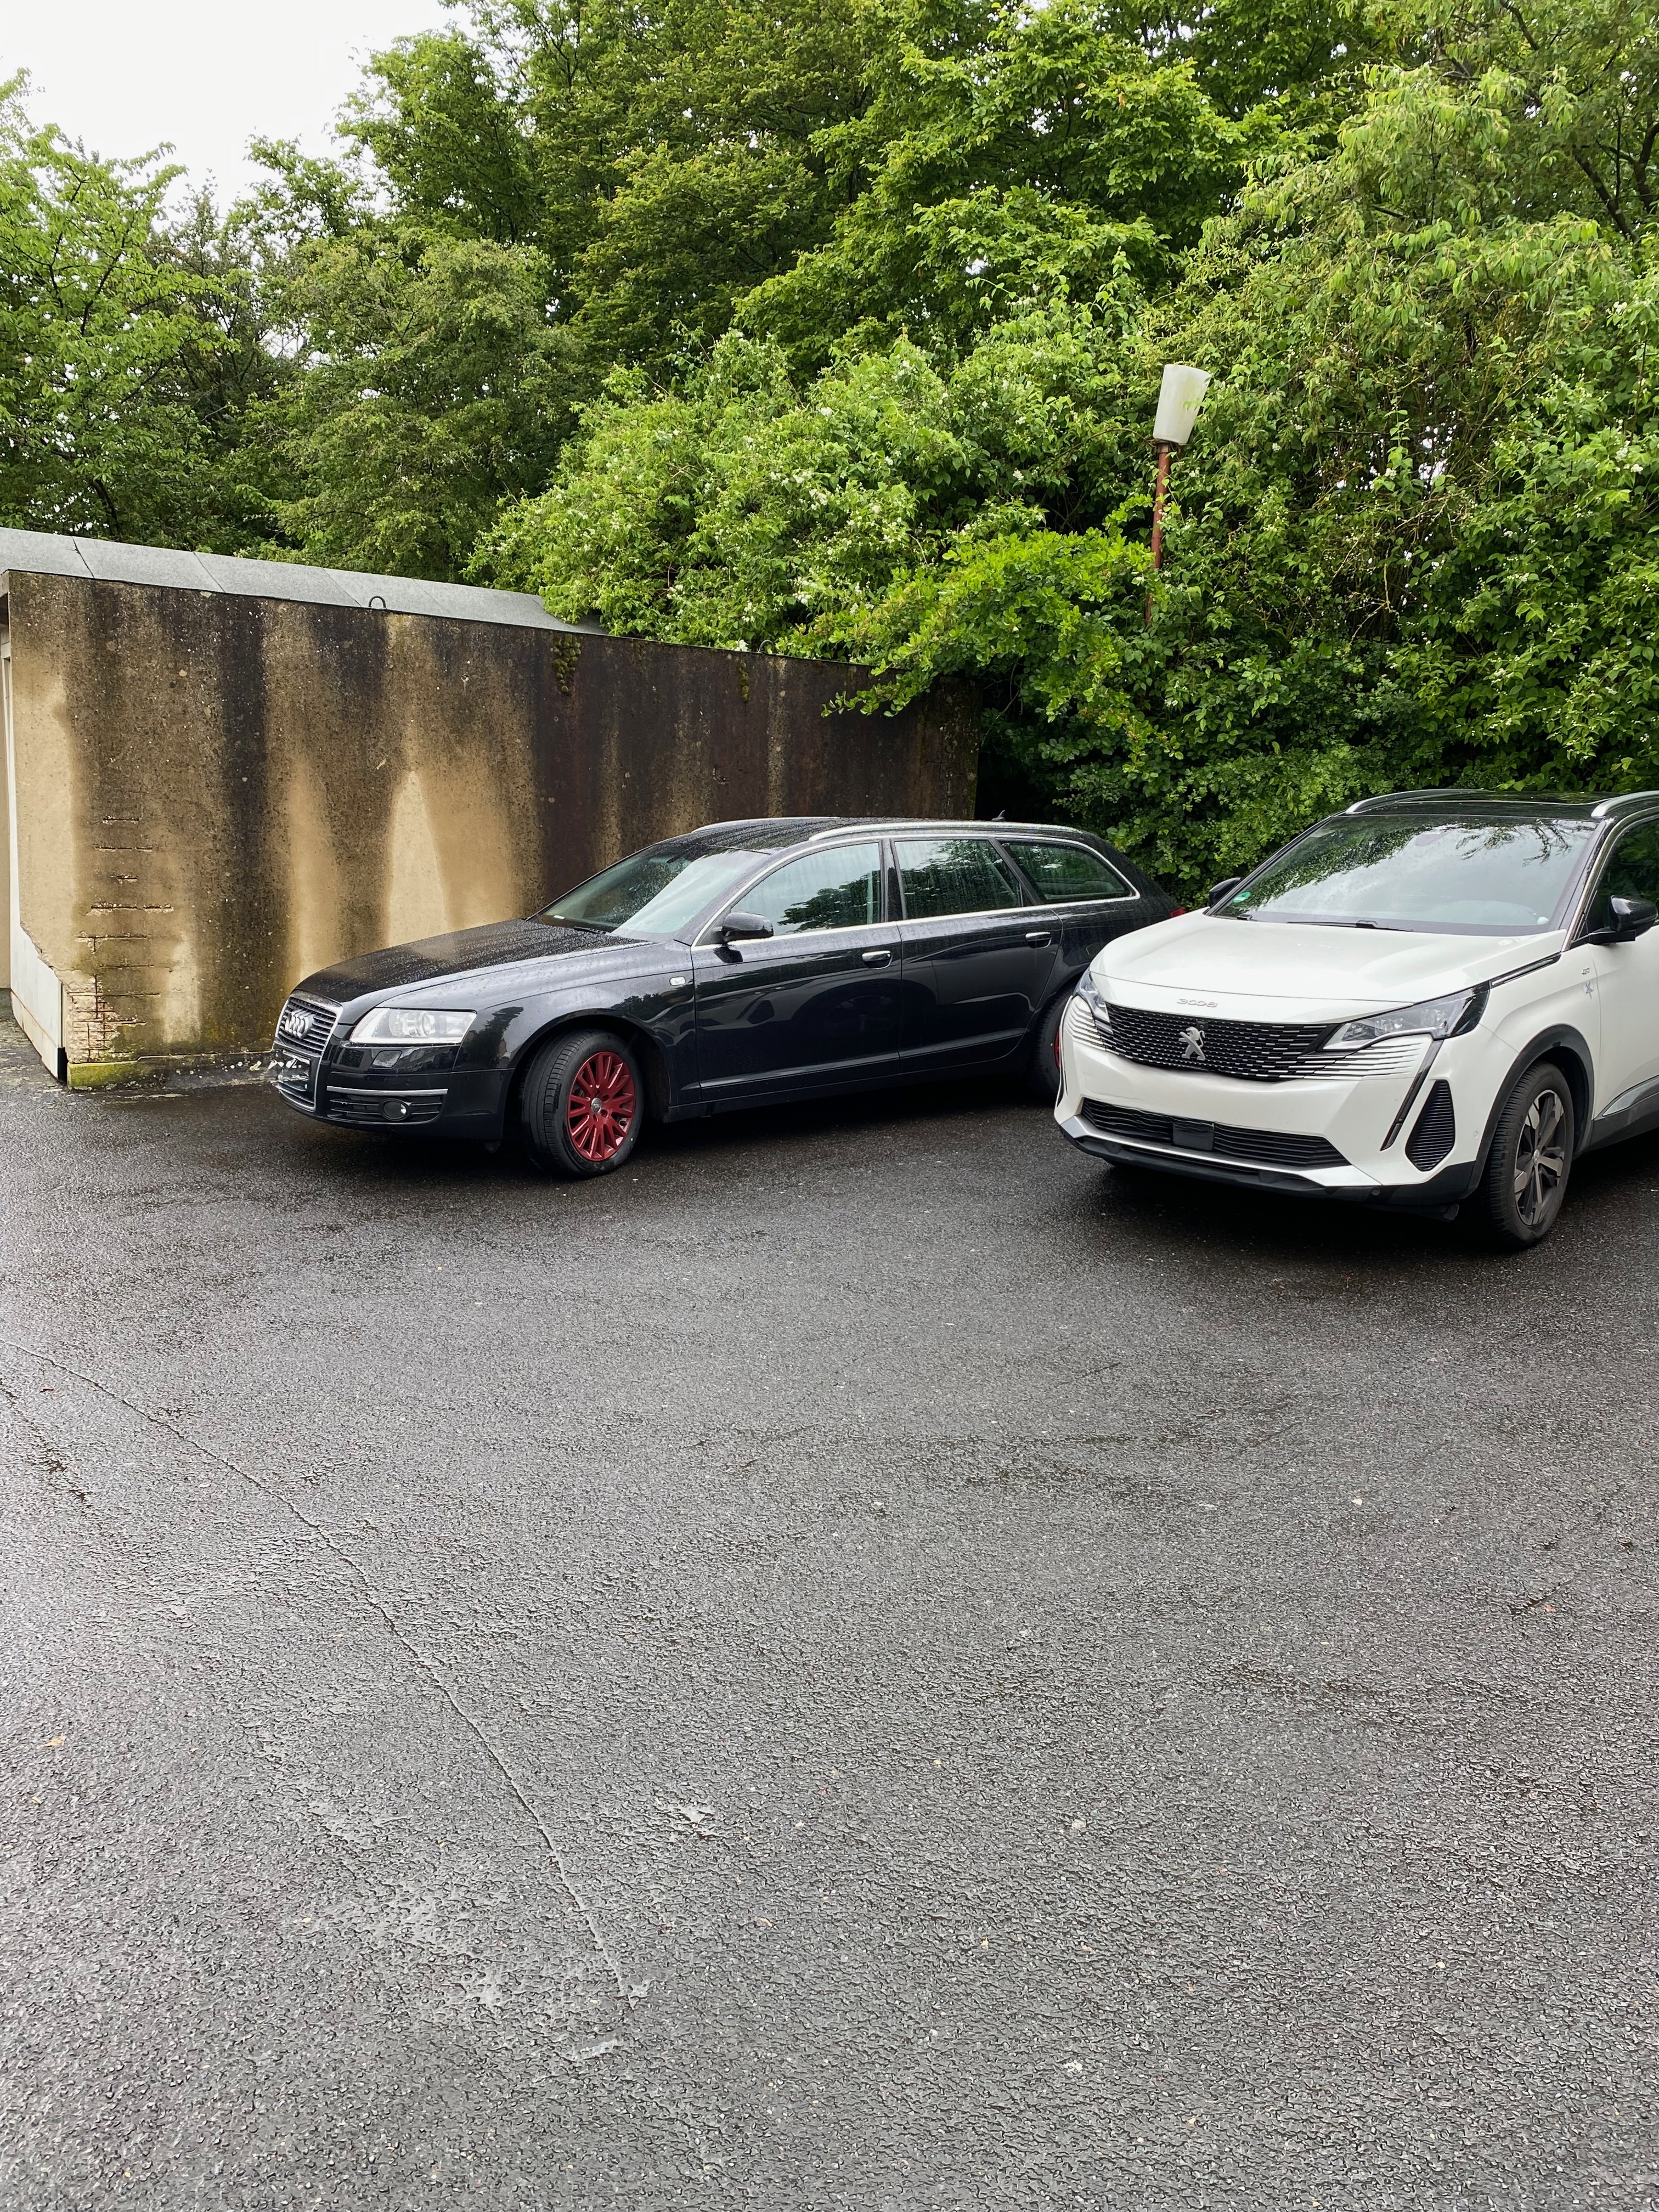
(467, 1103)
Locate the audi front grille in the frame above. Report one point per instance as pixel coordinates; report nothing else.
(304, 1025)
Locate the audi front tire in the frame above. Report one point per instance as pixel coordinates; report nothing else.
(583, 1103)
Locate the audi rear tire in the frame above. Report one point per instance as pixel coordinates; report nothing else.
(1043, 1075)
(1528, 1168)
(582, 1104)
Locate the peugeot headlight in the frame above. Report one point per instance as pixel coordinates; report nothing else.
(1433, 1017)
(1089, 992)
(412, 1025)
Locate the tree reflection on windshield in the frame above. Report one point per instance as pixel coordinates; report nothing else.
(1473, 873)
(652, 895)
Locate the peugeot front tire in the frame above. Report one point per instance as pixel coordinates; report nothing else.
(582, 1103)
(1531, 1158)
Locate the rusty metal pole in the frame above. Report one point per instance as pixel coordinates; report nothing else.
(1158, 498)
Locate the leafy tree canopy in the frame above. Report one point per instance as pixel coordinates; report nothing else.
(131, 349)
(835, 326)
(1412, 541)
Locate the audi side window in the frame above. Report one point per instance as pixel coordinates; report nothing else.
(955, 875)
(837, 890)
(1060, 873)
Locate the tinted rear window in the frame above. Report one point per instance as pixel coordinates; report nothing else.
(1069, 871)
(955, 875)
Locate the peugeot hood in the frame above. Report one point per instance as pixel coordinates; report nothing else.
(1274, 971)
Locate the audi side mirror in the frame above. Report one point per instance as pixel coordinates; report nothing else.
(738, 927)
(1217, 892)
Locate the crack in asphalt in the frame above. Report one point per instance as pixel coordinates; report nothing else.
(625, 1996)
(1588, 1524)
(51, 1463)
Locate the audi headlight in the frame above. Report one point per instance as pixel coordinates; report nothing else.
(412, 1025)
(1433, 1018)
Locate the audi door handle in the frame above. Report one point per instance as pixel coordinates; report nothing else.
(878, 959)
(1038, 936)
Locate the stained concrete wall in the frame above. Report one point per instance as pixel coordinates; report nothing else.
(216, 794)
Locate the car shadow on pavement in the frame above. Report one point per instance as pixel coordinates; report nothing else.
(877, 1112)
(1607, 1193)
(244, 1127)
(1003, 1139)
(759, 1130)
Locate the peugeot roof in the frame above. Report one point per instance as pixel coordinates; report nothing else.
(1454, 800)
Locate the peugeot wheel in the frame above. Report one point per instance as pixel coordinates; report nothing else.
(1531, 1158)
(582, 1103)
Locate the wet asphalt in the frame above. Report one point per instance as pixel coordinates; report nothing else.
(866, 1661)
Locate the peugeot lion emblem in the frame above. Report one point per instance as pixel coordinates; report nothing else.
(1192, 1043)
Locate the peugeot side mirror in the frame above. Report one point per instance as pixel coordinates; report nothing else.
(1632, 917)
(737, 927)
(1626, 919)
(1218, 892)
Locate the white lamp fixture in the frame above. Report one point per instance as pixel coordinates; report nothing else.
(1180, 396)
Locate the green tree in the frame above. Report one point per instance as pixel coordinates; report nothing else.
(429, 384)
(982, 179)
(834, 326)
(1412, 541)
(748, 509)
(132, 348)
(553, 191)
(1577, 89)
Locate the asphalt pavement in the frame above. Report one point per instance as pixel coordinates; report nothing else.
(867, 1661)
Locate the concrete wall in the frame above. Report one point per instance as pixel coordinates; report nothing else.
(216, 794)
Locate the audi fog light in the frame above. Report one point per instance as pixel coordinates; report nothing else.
(1433, 1018)
(412, 1025)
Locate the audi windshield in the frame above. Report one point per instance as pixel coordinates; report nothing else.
(1475, 875)
(652, 895)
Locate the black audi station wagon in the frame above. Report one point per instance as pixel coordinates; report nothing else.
(740, 964)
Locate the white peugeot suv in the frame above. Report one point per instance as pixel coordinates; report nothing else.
(1438, 998)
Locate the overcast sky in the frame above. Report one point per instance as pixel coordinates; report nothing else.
(209, 74)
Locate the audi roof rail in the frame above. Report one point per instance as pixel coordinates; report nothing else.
(1625, 802)
(1396, 798)
(963, 825)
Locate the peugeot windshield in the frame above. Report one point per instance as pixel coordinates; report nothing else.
(1477, 875)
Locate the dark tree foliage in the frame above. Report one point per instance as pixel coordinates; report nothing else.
(834, 326)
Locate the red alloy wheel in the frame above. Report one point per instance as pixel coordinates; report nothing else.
(601, 1110)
